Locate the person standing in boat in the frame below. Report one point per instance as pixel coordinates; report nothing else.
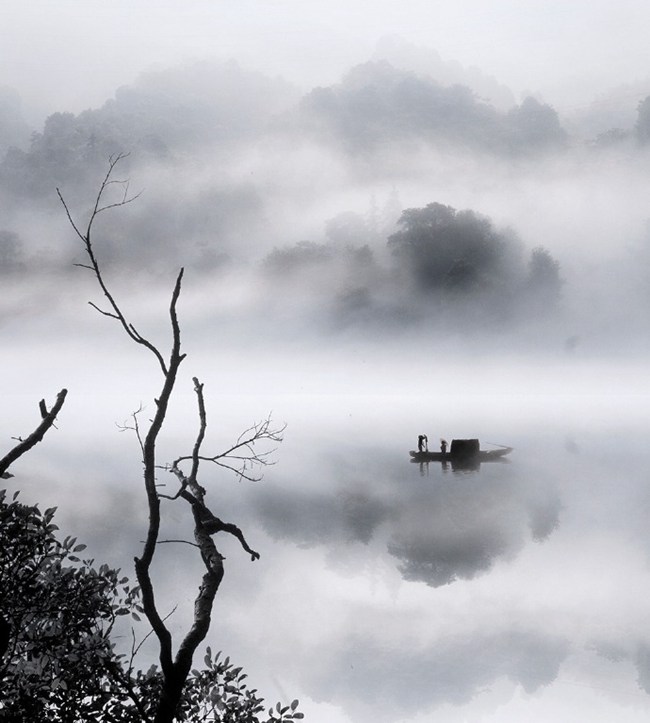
(443, 446)
(423, 443)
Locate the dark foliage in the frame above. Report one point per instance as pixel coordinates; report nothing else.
(60, 611)
(58, 620)
(440, 248)
(460, 261)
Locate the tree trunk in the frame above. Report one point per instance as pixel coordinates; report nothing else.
(170, 697)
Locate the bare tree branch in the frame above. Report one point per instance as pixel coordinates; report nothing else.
(148, 444)
(47, 421)
(143, 563)
(85, 237)
(198, 388)
(136, 649)
(179, 542)
(241, 456)
(134, 428)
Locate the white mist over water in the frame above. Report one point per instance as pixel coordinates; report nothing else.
(385, 592)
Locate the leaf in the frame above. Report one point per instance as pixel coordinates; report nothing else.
(79, 548)
(135, 616)
(294, 704)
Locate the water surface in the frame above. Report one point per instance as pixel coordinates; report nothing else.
(385, 591)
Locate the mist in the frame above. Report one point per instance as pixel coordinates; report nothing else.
(392, 221)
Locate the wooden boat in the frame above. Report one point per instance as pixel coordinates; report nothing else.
(463, 451)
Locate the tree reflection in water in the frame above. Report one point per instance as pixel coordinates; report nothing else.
(453, 527)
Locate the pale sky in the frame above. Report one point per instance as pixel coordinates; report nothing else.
(73, 54)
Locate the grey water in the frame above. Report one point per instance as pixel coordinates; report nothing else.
(515, 590)
(387, 590)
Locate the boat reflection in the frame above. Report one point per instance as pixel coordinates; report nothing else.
(456, 465)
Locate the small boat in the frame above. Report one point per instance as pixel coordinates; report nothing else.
(463, 451)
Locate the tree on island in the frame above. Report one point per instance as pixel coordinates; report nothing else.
(438, 247)
(461, 258)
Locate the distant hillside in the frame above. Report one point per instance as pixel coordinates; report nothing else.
(427, 62)
(376, 104)
(162, 114)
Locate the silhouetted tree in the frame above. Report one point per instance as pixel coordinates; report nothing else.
(7, 625)
(48, 417)
(243, 457)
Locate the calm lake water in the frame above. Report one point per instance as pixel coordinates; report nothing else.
(385, 591)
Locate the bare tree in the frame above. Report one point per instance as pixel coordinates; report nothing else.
(243, 457)
(48, 418)
(24, 445)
